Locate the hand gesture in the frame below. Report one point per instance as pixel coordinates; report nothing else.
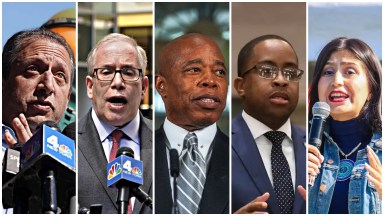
(256, 206)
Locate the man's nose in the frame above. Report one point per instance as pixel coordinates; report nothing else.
(280, 80)
(47, 82)
(209, 79)
(117, 81)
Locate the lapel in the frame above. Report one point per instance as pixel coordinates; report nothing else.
(163, 194)
(245, 147)
(215, 197)
(146, 156)
(94, 154)
(300, 160)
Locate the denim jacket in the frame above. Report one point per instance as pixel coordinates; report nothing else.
(362, 195)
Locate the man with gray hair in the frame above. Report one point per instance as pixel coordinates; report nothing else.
(38, 69)
(116, 85)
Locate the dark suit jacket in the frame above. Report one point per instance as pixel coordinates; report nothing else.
(92, 165)
(215, 197)
(249, 177)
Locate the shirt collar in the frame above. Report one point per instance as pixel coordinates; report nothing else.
(104, 129)
(176, 135)
(258, 129)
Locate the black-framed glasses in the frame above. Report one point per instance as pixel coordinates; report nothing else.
(270, 72)
(129, 74)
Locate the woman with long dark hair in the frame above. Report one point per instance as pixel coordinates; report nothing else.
(347, 167)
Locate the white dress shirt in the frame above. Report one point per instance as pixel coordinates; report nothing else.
(258, 130)
(131, 130)
(176, 135)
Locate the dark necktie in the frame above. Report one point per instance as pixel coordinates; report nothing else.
(281, 174)
(190, 183)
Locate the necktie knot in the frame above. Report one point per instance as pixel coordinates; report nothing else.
(190, 141)
(190, 184)
(276, 137)
(116, 137)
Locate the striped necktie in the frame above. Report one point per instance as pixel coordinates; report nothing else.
(190, 184)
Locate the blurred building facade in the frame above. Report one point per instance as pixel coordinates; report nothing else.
(96, 20)
(176, 19)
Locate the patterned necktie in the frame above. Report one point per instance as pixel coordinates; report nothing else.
(116, 137)
(190, 184)
(281, 174)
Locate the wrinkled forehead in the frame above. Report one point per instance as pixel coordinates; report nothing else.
(121, 50)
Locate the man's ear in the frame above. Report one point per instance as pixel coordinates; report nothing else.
(161, 85)
(239, 85)
(89, 84)
(144, 85)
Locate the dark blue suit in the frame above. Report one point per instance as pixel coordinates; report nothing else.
(249, 177)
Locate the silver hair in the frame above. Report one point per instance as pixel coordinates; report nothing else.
(114, 37)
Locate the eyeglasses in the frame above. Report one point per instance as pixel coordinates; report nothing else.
(129, 74)
(271, 72)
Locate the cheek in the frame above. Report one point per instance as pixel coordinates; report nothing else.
(360, 90)
(322, 89)
(224, 90)
(24, 89)
(96, 95)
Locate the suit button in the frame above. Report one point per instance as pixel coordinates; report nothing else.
(330, 161)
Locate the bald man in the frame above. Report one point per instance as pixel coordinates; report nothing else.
(191, 79)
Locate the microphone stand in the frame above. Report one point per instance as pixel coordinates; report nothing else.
(123, 196)
(21, 200)
(175, 207)
(49, 193)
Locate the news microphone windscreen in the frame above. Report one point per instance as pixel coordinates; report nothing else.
(174, 162)
(124, 168)
(321, 109)
(125, 151)
(50, 124)
(70, 131)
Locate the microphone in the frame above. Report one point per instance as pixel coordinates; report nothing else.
(142, 196)
(11, 161)
(175, 170)
(70, 131)
(50, 124)
(125, 173)
(11, 166)
(47, 173)
(94, 209)
(320, 112)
